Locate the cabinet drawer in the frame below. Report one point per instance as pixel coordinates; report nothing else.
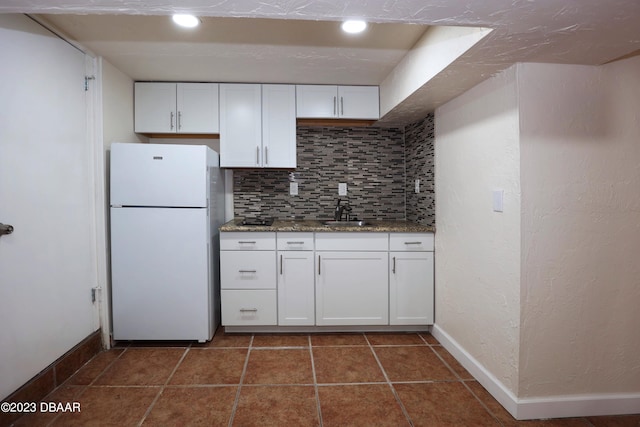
(411, 242)
(294, 241)
(242, 307)
(356, 241)
(250, 241)
(248, 269)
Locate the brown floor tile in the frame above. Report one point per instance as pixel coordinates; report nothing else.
(616, 421)
(443, 404)
(110, 406)
(453, 363)
(64, 394)
(95, 367)
(430, 339)
(193, 406)
(210, 366)
(338, 339)
(277, 406)
(395, 339)
(282, 366)
(360, 405)
(142, 366)
(222, 339)
(412, 364)
(281, 340)
(346, 365)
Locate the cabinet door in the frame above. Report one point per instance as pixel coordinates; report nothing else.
(240, 125)
(358, 102)
(316, 101)
(278, 126)
(296, 293)
(352, 288)
(411, 288)
(155, 107)
(197, 105)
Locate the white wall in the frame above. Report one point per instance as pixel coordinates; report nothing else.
(478, 250)
(48, 265)
(580, 142)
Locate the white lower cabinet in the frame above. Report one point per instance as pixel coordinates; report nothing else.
(411, 279)
(352, 288)
(248, 279)
(327, 279)
(296, 295)
(249, 307)
(411, 288)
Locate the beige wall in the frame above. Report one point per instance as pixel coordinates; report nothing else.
(478, 250)
(580, 143)
(543, 299)
(117, 104)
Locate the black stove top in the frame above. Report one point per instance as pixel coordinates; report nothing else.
(257, 221)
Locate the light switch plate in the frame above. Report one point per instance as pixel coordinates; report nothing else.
(498, 200)
(293, 188)
(342, 189)
(417, 186)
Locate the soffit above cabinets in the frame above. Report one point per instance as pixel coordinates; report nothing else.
(242, 49)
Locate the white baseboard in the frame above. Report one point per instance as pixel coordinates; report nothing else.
(543, 407)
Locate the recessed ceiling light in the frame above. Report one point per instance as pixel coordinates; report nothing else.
(188, 21)
(354, 26)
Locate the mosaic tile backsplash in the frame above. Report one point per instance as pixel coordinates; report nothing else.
(419, 139)
(370, 160)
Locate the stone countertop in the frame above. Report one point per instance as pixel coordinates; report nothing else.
(310, 225)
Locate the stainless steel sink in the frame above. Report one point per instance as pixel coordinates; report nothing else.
(345, 223)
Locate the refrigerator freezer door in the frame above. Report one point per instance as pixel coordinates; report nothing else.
(158, 175)
(161, 274)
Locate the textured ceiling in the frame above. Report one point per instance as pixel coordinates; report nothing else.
(560, 31)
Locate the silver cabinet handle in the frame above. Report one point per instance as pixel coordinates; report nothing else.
(335, 106)
(246, 242)
(251, 310)
(247, 271)
(266, 155)
(257, 155)
(341, 106)
(394, 265)
(179, 120)
(5, 229)
(412, 243)
(281, 264)
(295, 243)
(171, 120)
(318, 265)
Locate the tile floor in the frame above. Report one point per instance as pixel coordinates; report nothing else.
(285, 380)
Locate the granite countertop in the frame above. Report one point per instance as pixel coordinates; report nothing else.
(311, 225)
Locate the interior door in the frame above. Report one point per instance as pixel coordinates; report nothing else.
(48, 264)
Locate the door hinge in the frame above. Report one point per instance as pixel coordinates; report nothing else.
(94, 294)
(86, 82)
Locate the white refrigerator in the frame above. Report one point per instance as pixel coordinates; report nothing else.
(167, 202)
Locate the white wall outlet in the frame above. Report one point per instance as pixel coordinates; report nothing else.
(417, 186)
(293, 188)
(342, 189)
(498, 200)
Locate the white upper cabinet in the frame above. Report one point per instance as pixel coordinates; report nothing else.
(279, 126)
(240, 125)
(176, 108)
(343, 102)
(257, 126)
